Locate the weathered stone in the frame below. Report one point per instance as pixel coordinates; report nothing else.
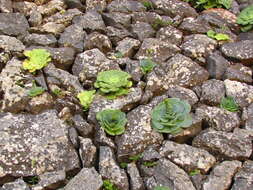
(90, 21)
(116, 19)
(109, 169)
(71, 4)
(142, 30)
(198, 181)
(182, 71)
(50, 180)
(134, 69)
(151, 153)
(243, 180)
(97, 5)
(247, 117)
(221, 176)
(19, 184)
(128, 47)
(40, 40)
(117, 34)
(241, 92)
(242, 50)
(198, 46)
(87, 152)
(69, 103)
(239, 72)
(4, 58)
(83, 128)
(11, 44)
(86, 179)
(35, 18)
(224, 145)
(52, 7)
(97, 40)
(49, 27)
(215, 95)
(101, 139)
(24, 7)
(136, 182)
(245, 36)
(13, 24)
(125, 6)
(6, 6)
(73, 36)
(170, 34)
(42, 151)
(187, 157)
(149, 17)
(72, 132)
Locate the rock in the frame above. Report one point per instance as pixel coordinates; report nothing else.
(89, 63)
(125, 6)
(86, 179)
(214, 96)
(19, 184)
(242, 50)
(6, 6)
(182, 71)
(198, 181)
(24, 7)
(71, 4)
(49, 28)
(11, 44)
(124, 103)
(35, 18)
(101, 139)
(159, 51)
(224, 145)
(128, 47)
(51, 7)
(151, 153)
(243, 180)
(139, 133)
(109, 169)
(42, 151)
(134, 69)
(198, 47)
(136, 182)
(239, 72)
(4, 58)
(169, 175)
(241, 92)
(17, 24)
(142, 30)
(170, 35)
(245, 36)
(117, 34)
(97, 5)
(221, 176)
(175, 7)
(99, 41)
(68, 105)
(72, 132)
(116, 19)
(247, 117)
(73, 36)
(40, 40)
(187, 157)
(83, 128)
(90, 21)
(50, 180)
(87, 152)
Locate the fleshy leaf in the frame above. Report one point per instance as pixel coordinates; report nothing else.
(86, 98)
(147, 65)
(229, 104)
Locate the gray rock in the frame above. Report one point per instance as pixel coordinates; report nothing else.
(13, 24)
(224, 145)
(73, 36)
(239, 72)
(156, 49)
(136, 182)
(42, 151)
(198, 46)
(149, 17)
(142, 30)
(11, 44)
(117, 34)
(242, 50)
(97, 5)
(4, 58)
(170, 34)
(89, 63)
(40, 40)
(245, 36)
(243, 180)
(48, 8)
(241, 92)
(116, 19)
(134, 69)
(195, 25)
(50, 180)
(72, 132)
(247, 117)
(24, 7)
(35, 18)
(19, 184)
(214, 96)
(75, 4)
(84, 129)
(169, 175)
(6, 6)
(187, 157)
(101, 139)
(128, 47)
(151, 153)
(221, 176)
(182, 71)
(125, 6)
(109, 169)
(48, 28)
(175, 7)
(97, 40)
(86, 179)
(87, 152)
(90, 21)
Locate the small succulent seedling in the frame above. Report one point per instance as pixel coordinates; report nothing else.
(207, 4)
(217, 36)
(136, 157)
(57, 92)
(228, 103)
(194, 172)
(159, 23)
(147, 65)
(108, 185)
(149, 164)
(148, 5)
(118, 55)
(35, 90)
(32, 180)
(112, 121)
(161, 188)
(123, 165)
(86, 98)
(245, 19)
(36, 59)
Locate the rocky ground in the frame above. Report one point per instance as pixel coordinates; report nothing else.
(48, 142)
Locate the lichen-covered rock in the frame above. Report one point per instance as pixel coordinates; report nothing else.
(187, 157)
(182, 71)
(19, 184)
(11, 44)
(24, 7)
(117, 19)
(87, 152)
(49, 28)
(117, 34)
(86, 179)
(128, 46)
(224, 145)
(4, 58)
(40, 40)
(247, 117)
(35, 18)
(133, 68)
(222, 175)
(101, 139)
(243, 180)
(83, 128)
(157, 49)
(142, 30)
(125, 6)
(214, 96)
(135, 181)
(198, 46)
(41, 151)
(239, 72)
(241, 92)
(170, 34)
(195, 25)
(51, 7)
(97, 5)
(109, 169)
(6, 6)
